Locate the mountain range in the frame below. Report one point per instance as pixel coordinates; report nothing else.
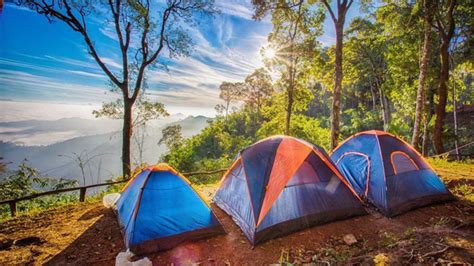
(57, 148)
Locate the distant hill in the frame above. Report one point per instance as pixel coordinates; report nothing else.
(57, 159)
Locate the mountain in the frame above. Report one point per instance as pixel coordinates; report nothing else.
(99, 152)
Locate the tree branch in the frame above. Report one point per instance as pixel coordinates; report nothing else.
(328, 7)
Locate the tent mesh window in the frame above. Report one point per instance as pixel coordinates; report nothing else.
(402, 163)
(305, 175)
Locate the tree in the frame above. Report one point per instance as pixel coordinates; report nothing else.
(342, 7)
(293, 40)
(230, 93)
(445, 25)
(366, 67)
(144, 111)
(258, 87)
(83, 160)
(141, 40)
(420, 95)
(172, 137)
(3, 166)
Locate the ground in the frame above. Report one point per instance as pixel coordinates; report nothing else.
(88, 233)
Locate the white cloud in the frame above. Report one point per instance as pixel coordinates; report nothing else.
(236, 8)
(111, 62)
(87, 74)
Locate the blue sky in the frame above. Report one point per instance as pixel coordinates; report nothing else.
(48, 63)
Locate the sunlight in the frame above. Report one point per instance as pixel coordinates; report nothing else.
(269, 53)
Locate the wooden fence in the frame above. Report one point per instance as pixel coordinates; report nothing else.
(83, 190)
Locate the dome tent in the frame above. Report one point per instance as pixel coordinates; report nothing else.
(282, 184)
(158, 209)
(388, 172)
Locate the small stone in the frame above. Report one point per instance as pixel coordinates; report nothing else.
(349, 239)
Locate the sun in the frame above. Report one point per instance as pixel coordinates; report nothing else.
(269, 53)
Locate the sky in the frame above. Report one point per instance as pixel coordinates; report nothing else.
(46, 66)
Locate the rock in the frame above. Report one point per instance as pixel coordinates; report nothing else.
(349, 239)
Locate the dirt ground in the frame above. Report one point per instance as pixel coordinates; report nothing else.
(88, 233)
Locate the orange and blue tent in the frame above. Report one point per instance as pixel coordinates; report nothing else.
(282, 184)
(159, 209)
(388, 172)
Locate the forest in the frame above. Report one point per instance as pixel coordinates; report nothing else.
(401, 66)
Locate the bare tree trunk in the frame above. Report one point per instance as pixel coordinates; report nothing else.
(455, 121)
(227, 109)
(442, 99)
(127, 135)
(426, 136)
(444, 77)
(420, 95)
(336, 99)
(373, 93)
(426, 121)
(288, 110)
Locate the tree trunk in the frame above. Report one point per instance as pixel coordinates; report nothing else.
(446, 34)
(442, 98)
(429, 114)
(288, 110)
(227, 109)
(420, 95)
(336, 99)
(127, 135)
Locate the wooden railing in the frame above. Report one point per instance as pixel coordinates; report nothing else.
(83, 190)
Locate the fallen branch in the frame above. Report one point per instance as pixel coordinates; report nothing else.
(437, 252)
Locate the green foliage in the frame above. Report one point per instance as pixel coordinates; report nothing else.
(26, 181)
(172, 136)
(215, 146)
(145, 111)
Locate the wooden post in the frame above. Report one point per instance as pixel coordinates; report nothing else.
(82, 194)
(13, 208)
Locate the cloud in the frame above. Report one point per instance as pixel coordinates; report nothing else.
(242, 9)
(71, 61)
(27, 85)
(87, 74)
(111, 62)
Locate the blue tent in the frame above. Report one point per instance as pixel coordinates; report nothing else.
(388, 172)
(282, 184)
(158, 209)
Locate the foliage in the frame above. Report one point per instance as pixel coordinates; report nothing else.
(26, 181)
(144, 111)
(172, 136)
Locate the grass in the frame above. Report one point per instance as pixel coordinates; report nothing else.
(458, 176)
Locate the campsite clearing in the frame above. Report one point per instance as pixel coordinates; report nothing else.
(88, 233)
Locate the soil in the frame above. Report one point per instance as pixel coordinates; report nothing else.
(88, 233)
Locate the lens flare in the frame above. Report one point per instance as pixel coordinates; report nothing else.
(269, 53)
